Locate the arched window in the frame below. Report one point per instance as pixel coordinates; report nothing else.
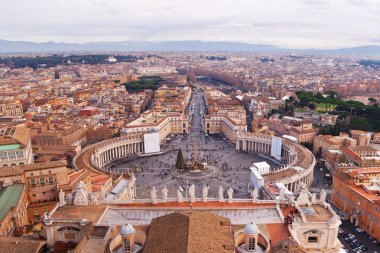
(127, 245)
(251, 243)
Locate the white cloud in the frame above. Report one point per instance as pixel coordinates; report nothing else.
(287, 23)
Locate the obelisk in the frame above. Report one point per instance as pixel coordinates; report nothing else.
(195, 151)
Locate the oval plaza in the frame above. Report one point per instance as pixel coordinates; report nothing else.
(238, 192)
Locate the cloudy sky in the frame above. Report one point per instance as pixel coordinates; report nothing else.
(285, 23)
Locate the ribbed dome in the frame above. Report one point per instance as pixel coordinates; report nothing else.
(251, 229)
(127, 229)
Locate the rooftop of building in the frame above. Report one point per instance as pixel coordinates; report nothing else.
(316, 213)
(42, 165)
(189, 232)
(72, 212)
(9, 198)
(20, 245)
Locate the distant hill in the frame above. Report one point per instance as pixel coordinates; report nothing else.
(33, 47)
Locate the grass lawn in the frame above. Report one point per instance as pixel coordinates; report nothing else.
(324, 107)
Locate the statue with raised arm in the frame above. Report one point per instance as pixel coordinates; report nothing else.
(221, 194)
(205, 193)
(62, 201)
(153, 195)
(165, 194)
(322, 196)
(192, 193)
(230, 192)
(179, 196)
(255, 195)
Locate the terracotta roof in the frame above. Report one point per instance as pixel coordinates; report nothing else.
(22, 135)
(42, 165)
(194, 231)
(20, 245)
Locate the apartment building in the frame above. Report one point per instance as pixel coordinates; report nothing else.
(357, 193)
(15, 146)
(13, 211)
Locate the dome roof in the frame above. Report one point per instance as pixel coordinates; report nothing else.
(127, 229)
(251, 229)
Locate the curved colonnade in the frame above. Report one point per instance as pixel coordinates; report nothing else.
(298, 161)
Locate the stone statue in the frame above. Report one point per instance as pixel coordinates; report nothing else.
(230, 192)
(255, 195)
(281, 194)
(322, 196)
(153, 195)
(81, 195)
(221, 195)
(69, 198)
(313, 198)
(205, 193)
(165, 194)
(94, 199)
(179, 196)
(130, 191)
(62, 201)
(303, 197)
(102, 194)
(192, 193)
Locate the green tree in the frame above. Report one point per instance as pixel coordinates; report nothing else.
(312, 106)
(180, 164)
(319, 95)
(372, 100)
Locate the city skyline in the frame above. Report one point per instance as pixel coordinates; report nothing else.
(287, 24)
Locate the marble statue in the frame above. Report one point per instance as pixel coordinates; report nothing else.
(81, 195)
(221, 194)
(94, 199)
(69, 198)
(313, 198)
(165, 194)
(153, 195)
(281, 194)
(322, 196)
(192, 193)
(303, 197)
(230, 192)
(255, 195)
(179, 196)
(102, 194)
(61, 196)
(130, 192)
(205, 193)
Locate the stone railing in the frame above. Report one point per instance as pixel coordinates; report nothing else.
(171, 200)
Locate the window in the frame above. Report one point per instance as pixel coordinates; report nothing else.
(312, 239)
(251, 243)
(127, 245)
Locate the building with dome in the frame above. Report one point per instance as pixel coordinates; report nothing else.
(233, 226)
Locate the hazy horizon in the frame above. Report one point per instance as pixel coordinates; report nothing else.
(298, 24)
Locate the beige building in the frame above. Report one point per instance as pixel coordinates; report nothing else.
(9, 110)
(327, 142)
(162, 123)
(363, 138)
(225, 115)
(43, 180)
(15, 147)
(328, 119)
(303, 131)
(72, 136)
